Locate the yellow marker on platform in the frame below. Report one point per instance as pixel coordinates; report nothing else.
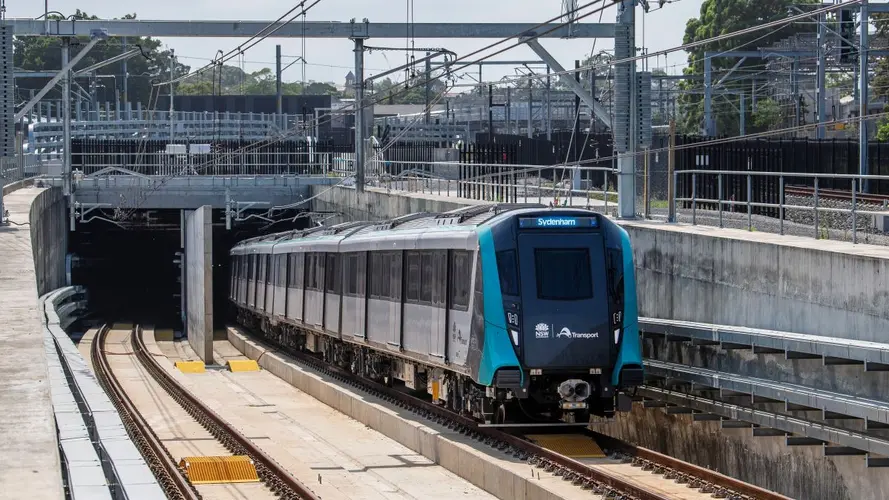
(570, 445)
(243, 365)
(163, 335)
(209, 470)
(190, 366)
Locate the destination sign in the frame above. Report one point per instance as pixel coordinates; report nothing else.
(553, 222)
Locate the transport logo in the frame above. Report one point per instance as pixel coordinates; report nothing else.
(565, 332)
(541, 331)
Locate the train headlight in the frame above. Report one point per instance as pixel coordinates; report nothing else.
(515, 337)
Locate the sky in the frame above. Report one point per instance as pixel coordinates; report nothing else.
(330, 59)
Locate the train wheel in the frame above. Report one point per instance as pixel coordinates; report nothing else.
(500, 414)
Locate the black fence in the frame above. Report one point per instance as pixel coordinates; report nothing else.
(799, 156)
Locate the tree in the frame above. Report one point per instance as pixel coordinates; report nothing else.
(719, 17)
(768, 115)
(44, 54)
(395, 93)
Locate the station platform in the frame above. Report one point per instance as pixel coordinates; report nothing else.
(29, 452)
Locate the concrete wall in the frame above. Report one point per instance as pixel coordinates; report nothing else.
(757, 280)
(377, 204)
(49, 239)
(800, 472)
(199, 281)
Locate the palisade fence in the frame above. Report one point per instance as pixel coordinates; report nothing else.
(795, 156)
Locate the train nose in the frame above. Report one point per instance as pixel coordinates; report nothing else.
(574, 390)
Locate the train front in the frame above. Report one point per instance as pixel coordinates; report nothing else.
(569, 294)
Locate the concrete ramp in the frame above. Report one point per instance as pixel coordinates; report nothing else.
(199, 281)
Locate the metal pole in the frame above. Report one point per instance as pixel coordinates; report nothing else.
(794, 82)
(863, 97)
(279, 93)
(626, 188)
(171, 95)
(671, 180)
(549, 107)
(646, 194)
(66, 118)
(359, 114)
(743, 112)
(530, 109)
(820, 96)
(490, 113)
(428, 96)
(708, 90)
(126, 78)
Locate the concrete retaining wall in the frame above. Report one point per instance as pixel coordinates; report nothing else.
(199, 281)
(801, 472)
(49, 239)
(757, 280)
(377, 204)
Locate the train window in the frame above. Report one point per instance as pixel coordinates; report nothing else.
(267, 277)
(440, 289)
(296, 270)
(360, 273)
(427, 282)
(413, 277)
(461, 279)
(375, 275)
(350, 274)
(333, 278)
(310, 271)
(396, 270)
(507, 268)
(563, 273)
(251, 267)
(281, 269)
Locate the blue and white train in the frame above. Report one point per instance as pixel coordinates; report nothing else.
(507, 312)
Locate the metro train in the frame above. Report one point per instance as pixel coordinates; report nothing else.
(507, 313)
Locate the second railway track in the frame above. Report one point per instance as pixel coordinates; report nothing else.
(172, 479)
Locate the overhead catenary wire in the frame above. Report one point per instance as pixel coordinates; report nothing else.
(251, 42)
(656, 54)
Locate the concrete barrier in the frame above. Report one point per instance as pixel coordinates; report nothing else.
(496, 472)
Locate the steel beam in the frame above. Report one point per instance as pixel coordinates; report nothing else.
(586, 97)
(52, 83)
(863, 54)
(313, 29)
(120, 57)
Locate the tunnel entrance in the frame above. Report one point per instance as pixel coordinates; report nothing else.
(132, 270)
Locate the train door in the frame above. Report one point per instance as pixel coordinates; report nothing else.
(564, 301)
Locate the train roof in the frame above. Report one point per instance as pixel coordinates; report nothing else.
(432, 228)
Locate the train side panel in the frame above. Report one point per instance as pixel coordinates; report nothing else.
(628, 368)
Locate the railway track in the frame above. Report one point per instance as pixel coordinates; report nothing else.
(164, 467)
(835, 194)
(579, 473)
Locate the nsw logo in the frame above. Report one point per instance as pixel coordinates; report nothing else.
(541, 331)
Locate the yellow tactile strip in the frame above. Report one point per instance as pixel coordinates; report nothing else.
(570, 445)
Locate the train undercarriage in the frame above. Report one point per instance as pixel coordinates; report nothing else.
(545, 403)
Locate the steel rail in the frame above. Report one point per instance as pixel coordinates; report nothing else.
(578, 473)
(160, 462)
(278, 480)
(835, 194)
(651, 460)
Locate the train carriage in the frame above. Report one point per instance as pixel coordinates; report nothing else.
(502, 311)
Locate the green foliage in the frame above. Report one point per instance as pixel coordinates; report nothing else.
(719, 17)
(45, 54)
(768, 115)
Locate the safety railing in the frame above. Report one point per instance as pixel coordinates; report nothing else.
(555, 185)
(19, 168)
(826, 206)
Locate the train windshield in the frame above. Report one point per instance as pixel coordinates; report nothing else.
(563, 273)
